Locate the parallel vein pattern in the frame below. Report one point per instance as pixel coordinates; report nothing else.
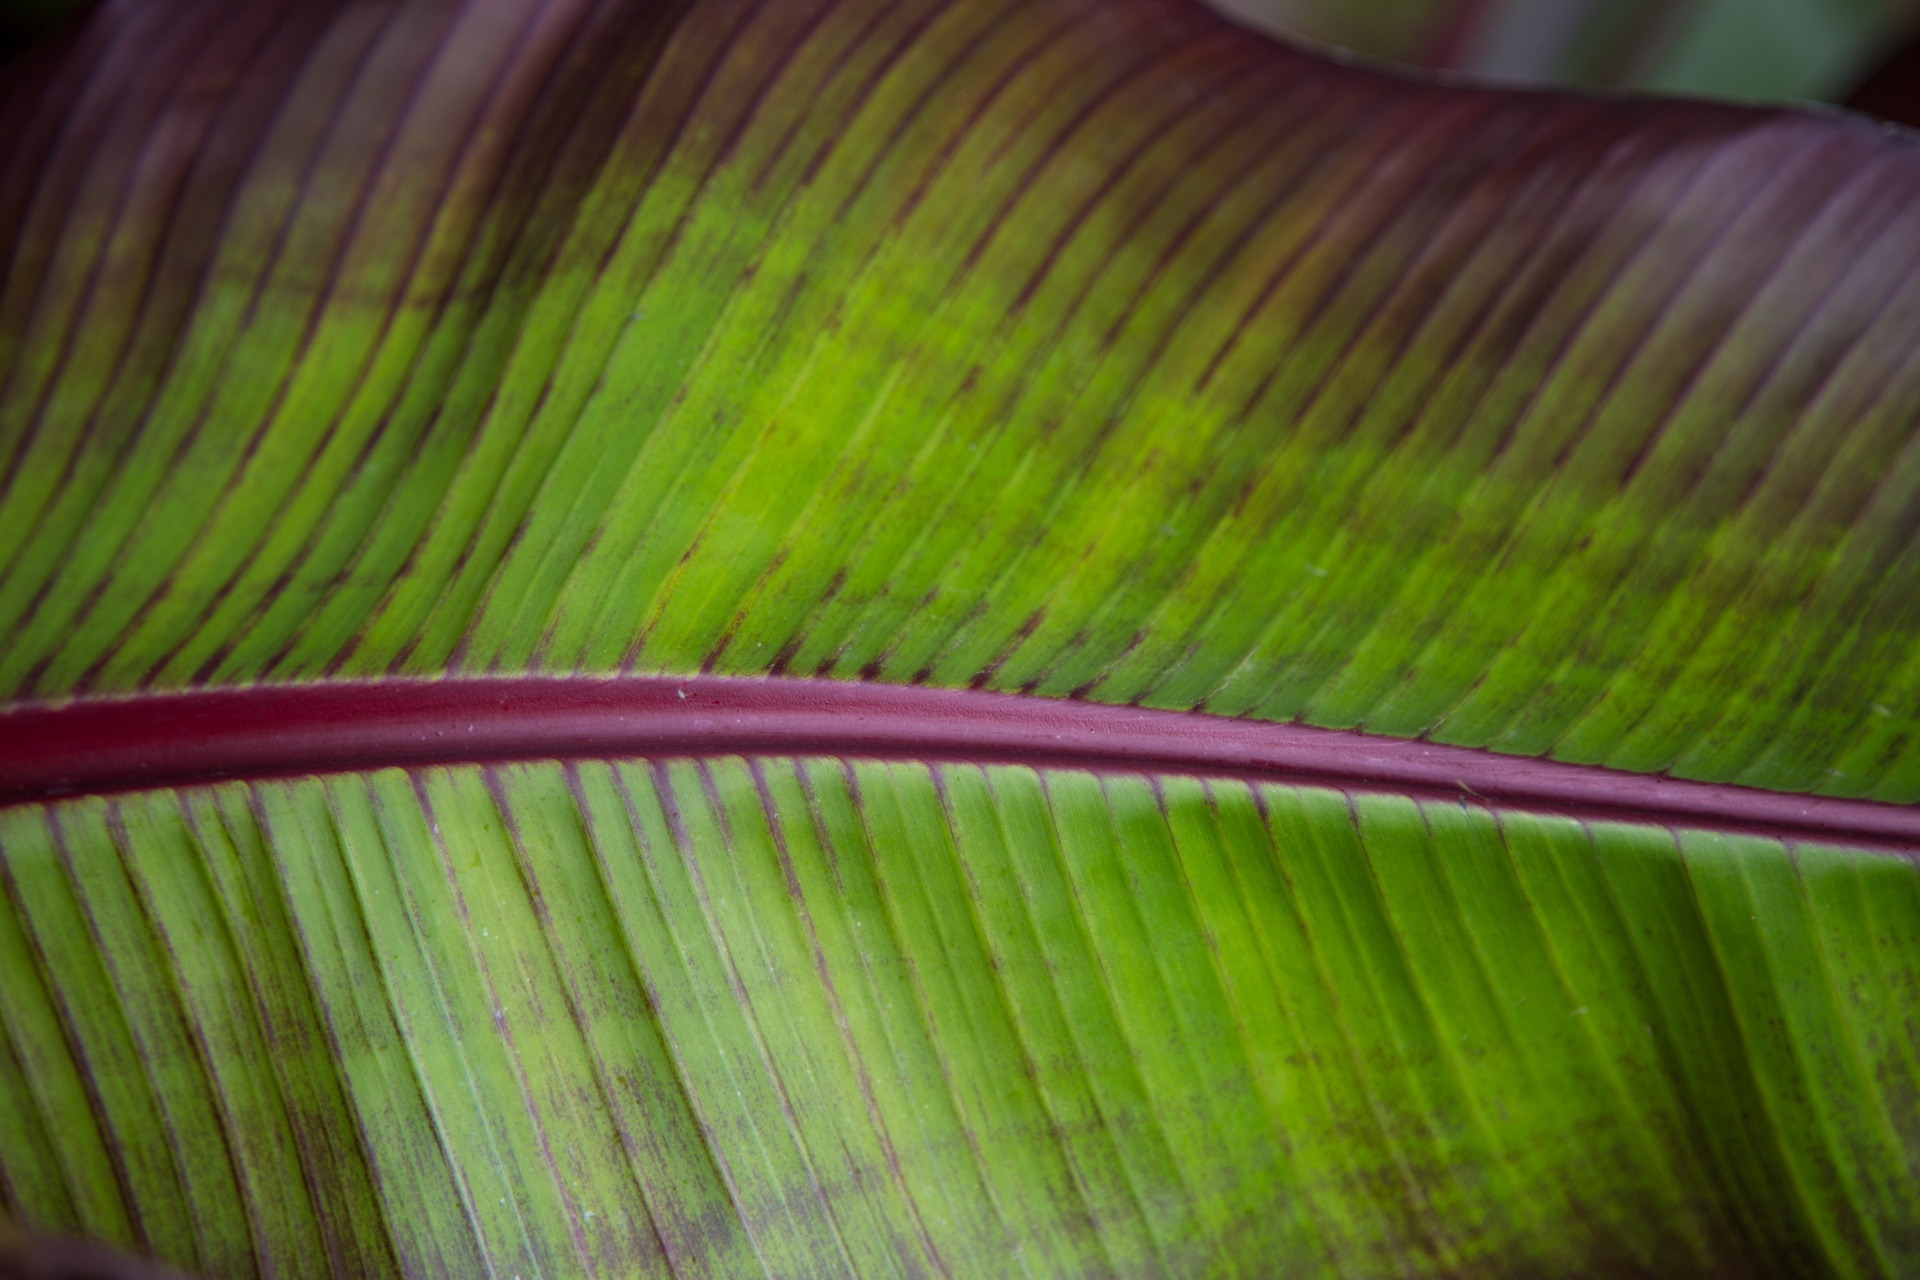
(1060, 347)
(811, 1017)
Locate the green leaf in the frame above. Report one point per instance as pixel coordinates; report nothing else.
(350, 354)
(801, 1016)
(969, 353)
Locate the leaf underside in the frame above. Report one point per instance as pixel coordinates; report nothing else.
(1057, 348)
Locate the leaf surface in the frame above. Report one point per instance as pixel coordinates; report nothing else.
(972, 350)
(809, 1016)
(370, 373)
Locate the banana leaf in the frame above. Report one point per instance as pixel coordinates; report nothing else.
(944, 638)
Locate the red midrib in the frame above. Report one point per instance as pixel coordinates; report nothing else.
(106, 745)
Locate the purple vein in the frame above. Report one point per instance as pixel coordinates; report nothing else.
(105, 745)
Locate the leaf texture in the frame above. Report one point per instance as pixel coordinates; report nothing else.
(1074, 348)
(806, 1016)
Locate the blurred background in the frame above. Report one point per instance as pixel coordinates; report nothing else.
(1859, 52)
(1760, 50)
